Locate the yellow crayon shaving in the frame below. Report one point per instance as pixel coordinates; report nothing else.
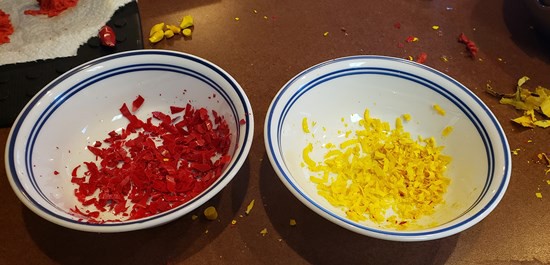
(210, 213)
(249, 207)
(535, 104)
(292, 222)
(157, 36)
(447, 130)
(186, 21)
(155, 28)
(187, 32)
(194, 217)
(168, 34)
(263, 232)
(382, 174)
(538, 194)
(305, 126)
(439, 110)
(173, 28)
(407, 117)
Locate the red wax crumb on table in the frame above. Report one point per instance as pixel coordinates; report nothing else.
(422, 58)
(51, 8)
(149, 168)
(6, 28)
(470, 45)
(397, 25)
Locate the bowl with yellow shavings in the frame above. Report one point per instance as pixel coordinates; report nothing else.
(388, 148)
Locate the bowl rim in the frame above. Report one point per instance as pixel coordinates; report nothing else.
(155, 220)
(271, 132)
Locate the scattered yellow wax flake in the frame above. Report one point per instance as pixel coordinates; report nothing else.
(548, 182)
(435, 27)
(305, 125)
(534, 103)
(325, 34)
(173, 28)
(233, 222)
(187, 21)
(516, 151)
(155, 28)
(194, 217)
(447, 130)
(237, 19)
(444, 59)
(407, 117)
(157, 36)
(380, 172)
(249, 207)
(210, 213)
(292, 222)
(255, 11)
(263, 232)
(439, 110)
(542, 156)
(410, 58)
(187, 32)
(529, 141)
(415, 39)
(538, 194)
(265, 17)
(168, 34)
(329, 145)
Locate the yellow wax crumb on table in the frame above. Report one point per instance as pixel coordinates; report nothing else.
(407, 117)
(538, 194)
(447, 131)
(263, 232)
(194, 217)
(155, 28)
(439, 110)
(534, 103)
(305, 125)
(233, 222)
(292, 222)
(382, 170)
(210, 213)
(187, 21)
(516, 151)
(187, 32)
(249, 207)
(325, 34)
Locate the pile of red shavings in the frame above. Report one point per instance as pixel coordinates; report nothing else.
(6, 29)
(152, 166)
(51, 8)
(470, 45)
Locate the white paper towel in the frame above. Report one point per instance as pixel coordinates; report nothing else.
(42, 37)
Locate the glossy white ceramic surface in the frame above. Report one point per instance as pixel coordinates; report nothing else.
(334, 95)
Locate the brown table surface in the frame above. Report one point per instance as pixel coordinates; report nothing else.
(270, 42)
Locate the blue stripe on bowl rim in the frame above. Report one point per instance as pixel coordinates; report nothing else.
(59, 100)
(411, 77)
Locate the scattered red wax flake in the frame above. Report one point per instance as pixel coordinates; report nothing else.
(470, 45)
(137, 103)
(56, 172)
(410, 39)
(175, 109)
(75, 171)
(6, 28)
(397, 25)
(242, 121)
(155, 165)
(51, 8)
(422, 57)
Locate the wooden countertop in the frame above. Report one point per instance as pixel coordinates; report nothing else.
(262, 44)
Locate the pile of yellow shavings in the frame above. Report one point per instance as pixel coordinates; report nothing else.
(381, 174)
(534, 104)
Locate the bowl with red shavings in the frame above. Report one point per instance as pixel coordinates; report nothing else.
(129, 141)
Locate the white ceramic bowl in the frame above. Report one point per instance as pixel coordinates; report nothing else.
(390, 87)
(82, 106)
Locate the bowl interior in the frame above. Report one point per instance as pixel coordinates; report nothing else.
(82, 106)
(334, 97)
